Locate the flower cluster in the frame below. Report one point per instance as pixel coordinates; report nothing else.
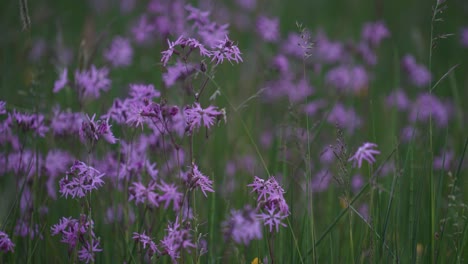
(80, 180)
(177, 238)
(5, 243)
(92, 130)
(243, 226)
(78, 232)
(271, 201)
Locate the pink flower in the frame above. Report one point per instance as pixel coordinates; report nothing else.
(365, 152)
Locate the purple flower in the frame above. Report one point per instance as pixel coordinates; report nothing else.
(93, 130)
(80, 180)
(273, 218)
(365, 152)
(167, 54)
(270, 194)
(248, 5)
(268, 28)
(296, 46)
(348, 79)
(198, 17)
(144, 91)
(120, 53)
(418, 74)
(357, 182)
(427, 105)
(143, 30)
(344, 117)
(74, 231)
(464, 37)
(170, 193)
(328, 51)
(31, 122)
(196, 115)
(375, 32)
(444, 160)
(65, 122)
(196, 179)
(142, 194)
(226, 50)
(146, 241)
(321, 180)
(5, 243)
(88, 250)
(91, 82)
(2, 108)
(61, 82)
(243, 226)
(179, 71)
(177, 238)
(398, 99)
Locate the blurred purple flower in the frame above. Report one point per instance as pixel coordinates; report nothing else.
(31, 122)
(321, 181)
(146, 241)
(397, 98)
(120, 53)
(243, 226)
(142, 31)
(427, 105)
(3, 108)
(328, 51)
(179, 71)
(170, 193)
(142, 194)
(444, 160)
(248, 5)
(80, 180)
(144, 91)
(409, 133)
(344, 117)
(357, 182)
(91, 82)
(65, 122)
(464, 37)
(177, 238)
(374, 32)
(62, 81)
(268, 28)
(5, 243)
(365, 152)
(418, 74)
(348, 79)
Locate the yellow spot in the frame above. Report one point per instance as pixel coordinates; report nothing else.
(419, 249)
(256, 261)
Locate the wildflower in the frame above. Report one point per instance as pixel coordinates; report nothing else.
(464, 37)
(321, 180)
(268, 28)
(31, 122)
(120, 53)
(146, 241)
(365, 152)
(177, 239)
(427, 105)
(73, 231)
(197, 179)
(93, 130)
(61, 82)
(2, 107)
(418, 74)
(375, 32)
(243, 226)
(226, 50)
(196, 115)
(5, 243)
(80, 180)
(142, 194)
(91, 82)
(143, 91)
(179, 71)
(88, 250)
(348, 79)
(167, 54)
(142, 30)
(344, 117)
(273, 218)
(65, 122)
(357, 182)
(170, 193)
(398, 99)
